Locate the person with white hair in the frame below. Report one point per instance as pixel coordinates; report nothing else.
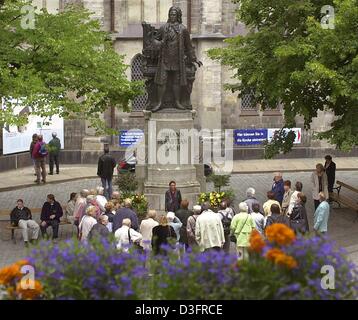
(87, 222)
(209, 231)
(278, 187)
(251, 199)
(101, 199)
(191, 224)
(125, 236)
(175, 223)
(146, 229)
(321, 215)
(99, 230)
(241, 226)
(54, 147)
(123, 213)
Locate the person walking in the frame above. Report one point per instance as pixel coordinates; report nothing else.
(321, 215)
(183, 214)
(276, 216)
(172, 198)
(106, 165)
(241, 226)
(99, 230)
(146, 229)
(298, 217)
(21, 217)
(277, 187)
(54, 147)
(162, 235)
(191, 226)
(51, 214)
(39, 154)
(123, 213)
(319, 184)
(330, 169)
(286, 196)
(32, 145)
(226, 217)
(209, 231)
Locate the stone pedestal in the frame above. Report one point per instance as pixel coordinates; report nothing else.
(167, 160)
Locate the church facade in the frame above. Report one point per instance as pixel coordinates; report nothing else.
(209, 23)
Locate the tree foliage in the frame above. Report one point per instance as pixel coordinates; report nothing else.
(287, 57)
(65, 66)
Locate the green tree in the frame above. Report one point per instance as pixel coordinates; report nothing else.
(64, 66)
(287, 57)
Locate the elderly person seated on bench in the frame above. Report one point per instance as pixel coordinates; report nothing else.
(50, 216)
(21, 217)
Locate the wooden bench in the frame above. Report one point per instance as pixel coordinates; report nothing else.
(33, 210)
(13, 228)
(344, 200)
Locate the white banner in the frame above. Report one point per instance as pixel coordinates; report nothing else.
(18, 139)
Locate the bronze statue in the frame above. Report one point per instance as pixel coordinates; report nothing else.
(169, 64)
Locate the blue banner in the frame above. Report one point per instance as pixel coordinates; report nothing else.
(244, 137)
(128, 138)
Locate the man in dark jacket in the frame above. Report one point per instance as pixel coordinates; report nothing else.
(106, 165)
(183, 214)
(21, 216)
(124, 213)
(278, 187)
(99, 230)
(54, 147)
(330, 168)
(172, 198)
(50, 216)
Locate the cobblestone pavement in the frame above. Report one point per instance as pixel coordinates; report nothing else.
(341, 224)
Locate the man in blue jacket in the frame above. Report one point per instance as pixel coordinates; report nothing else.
(321, 215)
(125, 213)
(278, 187)
(50, 216)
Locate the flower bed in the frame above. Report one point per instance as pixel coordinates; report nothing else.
(280, 267)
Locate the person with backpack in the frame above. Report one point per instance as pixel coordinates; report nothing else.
(54, 149)
(241, 226)
(39, 154)
(226, 216)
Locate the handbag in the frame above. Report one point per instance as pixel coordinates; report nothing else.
(233, 237)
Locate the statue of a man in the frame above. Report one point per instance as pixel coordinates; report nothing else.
(176, 51)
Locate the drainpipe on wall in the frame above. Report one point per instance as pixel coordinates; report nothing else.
(112, 27)
(189, 16)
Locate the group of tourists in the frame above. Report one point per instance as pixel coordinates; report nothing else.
(101, 212)
(39, 150)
